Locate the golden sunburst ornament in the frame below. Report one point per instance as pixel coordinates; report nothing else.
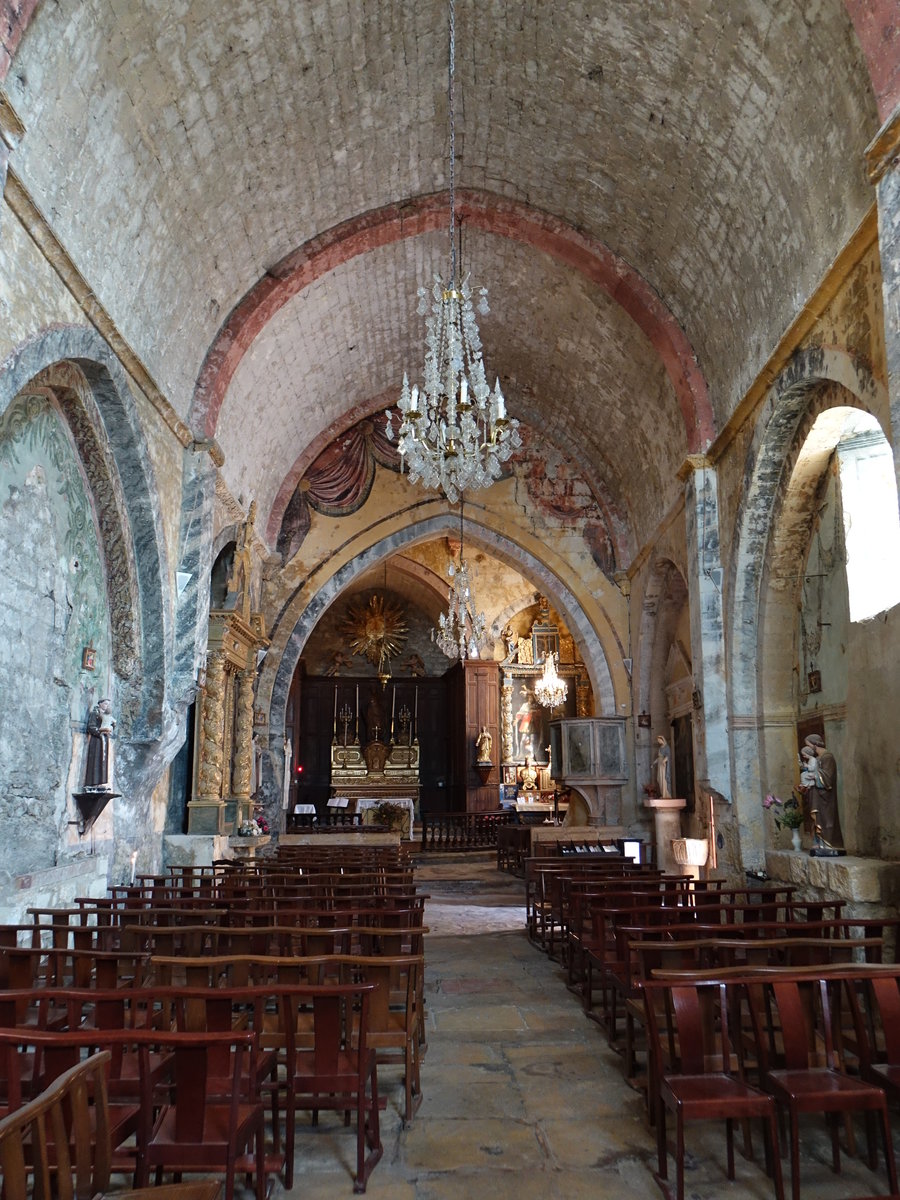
(375, 629)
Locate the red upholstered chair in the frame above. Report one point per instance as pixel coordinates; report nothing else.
(697, 1077)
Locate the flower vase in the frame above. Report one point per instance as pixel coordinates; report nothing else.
(795, 839)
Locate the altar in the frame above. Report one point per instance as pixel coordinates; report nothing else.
(377, 770)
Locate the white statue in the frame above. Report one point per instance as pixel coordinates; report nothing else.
(663, 764)
(286, 789)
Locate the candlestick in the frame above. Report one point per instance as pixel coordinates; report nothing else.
(393, 707)
(133, 866)
(416, 715)
(356, 733)
(334, 734)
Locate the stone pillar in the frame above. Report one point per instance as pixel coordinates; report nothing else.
(206, 810)
(241, 760)
(883, 159)
(712, 757)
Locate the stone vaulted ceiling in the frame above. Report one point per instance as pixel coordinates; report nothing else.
(656, 187)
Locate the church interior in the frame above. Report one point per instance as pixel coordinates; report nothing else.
(451, 417)
(215, 224)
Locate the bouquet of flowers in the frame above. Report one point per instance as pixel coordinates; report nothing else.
(790, 814)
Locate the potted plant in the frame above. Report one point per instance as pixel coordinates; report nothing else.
(391, 815)
(790, 815)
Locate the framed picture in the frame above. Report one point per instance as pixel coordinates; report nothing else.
(88, 658)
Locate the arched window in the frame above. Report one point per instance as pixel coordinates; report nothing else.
(871, 520)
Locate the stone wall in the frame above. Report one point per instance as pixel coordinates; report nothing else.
(53, 605)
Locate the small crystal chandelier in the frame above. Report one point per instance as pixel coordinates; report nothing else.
(550, 690)
(454, 432)
(461, 631)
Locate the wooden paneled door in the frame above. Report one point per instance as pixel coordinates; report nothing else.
(482, 709)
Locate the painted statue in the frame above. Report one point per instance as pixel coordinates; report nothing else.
(100, 725)
(483, 744)
(529, 775)
(822, 791)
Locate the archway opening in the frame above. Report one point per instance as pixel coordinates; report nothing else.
(871, 520)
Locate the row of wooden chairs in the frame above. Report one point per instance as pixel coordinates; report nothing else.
(756, 1043)
(192, 1099)
(719, 1061)
(391, 1014)
(232, 929)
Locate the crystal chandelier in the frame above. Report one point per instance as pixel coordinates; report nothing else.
(461, 631)
(454, 432)
(550, 690)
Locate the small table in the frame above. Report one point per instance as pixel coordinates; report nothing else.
(302, 815)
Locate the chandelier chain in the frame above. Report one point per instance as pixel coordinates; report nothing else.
(454, 432)
(451, 107)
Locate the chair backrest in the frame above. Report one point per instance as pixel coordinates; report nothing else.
(61, 1116)
(687, 1025)
(791, 1018)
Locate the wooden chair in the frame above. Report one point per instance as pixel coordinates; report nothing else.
(394, 1025)
(878, 1027)
(34, 1142)
(793, 1030)
(697, 1075)
(197, 1132)
(337, 1071)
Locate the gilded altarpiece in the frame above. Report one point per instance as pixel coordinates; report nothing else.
(223, 737)
(223, 744)
(525, 723)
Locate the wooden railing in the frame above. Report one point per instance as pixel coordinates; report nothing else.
(463, 831)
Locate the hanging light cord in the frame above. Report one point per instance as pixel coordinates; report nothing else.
(452, 108)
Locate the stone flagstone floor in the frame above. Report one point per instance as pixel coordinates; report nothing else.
(523, 1099)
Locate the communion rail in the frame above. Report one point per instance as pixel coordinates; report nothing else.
(463, 831)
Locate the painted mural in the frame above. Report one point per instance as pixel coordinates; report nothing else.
(340, 480)
(53, 623)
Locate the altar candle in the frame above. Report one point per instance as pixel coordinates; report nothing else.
(133, 866)
(416, 714)
(335, 710)
(393, 707)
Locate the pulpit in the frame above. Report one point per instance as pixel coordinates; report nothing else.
(589, 757)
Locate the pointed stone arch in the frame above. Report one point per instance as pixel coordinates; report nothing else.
(299, 618)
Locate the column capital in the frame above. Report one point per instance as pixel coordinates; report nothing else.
(695, 462)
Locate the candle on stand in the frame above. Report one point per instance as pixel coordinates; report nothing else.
(356, 734)
(335, 710)
(133, 866)
(416, 714)
(393, 707)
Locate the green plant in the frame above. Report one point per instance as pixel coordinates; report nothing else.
(791, 815)
(386, 813)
